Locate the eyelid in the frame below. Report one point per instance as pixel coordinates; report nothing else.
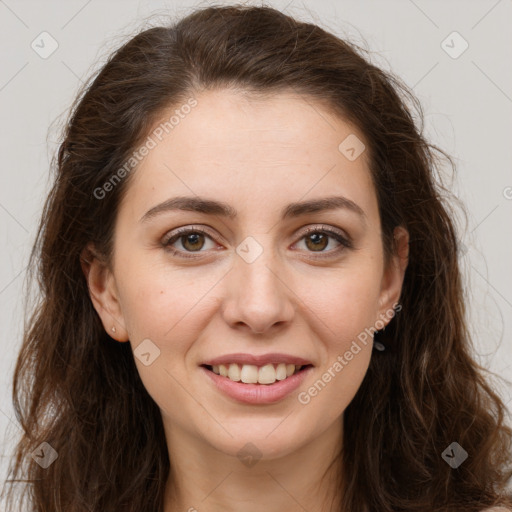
(183, 230)
(327, 228)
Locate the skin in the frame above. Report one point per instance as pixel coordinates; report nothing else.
(257, 156)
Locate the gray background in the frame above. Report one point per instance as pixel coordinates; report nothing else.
(467, 103)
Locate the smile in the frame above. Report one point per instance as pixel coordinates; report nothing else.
(252, 391)
(251, 374)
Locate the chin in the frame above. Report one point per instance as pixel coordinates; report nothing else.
(267, 439)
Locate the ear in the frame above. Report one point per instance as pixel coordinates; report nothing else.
(393, 278)
(103, 293)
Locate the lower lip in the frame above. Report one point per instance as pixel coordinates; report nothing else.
(258, 393)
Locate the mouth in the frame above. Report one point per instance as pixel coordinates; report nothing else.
(265, 375)
(252, 384)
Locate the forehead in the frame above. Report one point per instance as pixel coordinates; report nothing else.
(281, 147)
(285, 123)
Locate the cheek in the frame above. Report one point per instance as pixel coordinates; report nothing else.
(334, 388)
(171, 308)
(161, 303)
(347, 312)
(347, 304)
(348, 309)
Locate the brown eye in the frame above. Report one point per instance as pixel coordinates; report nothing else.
(317, 241)
(187, 240)
(192, 241)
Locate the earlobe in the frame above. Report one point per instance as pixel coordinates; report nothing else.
(394, 275)
(103, 293)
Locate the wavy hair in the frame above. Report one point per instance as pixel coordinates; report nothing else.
(79, 391)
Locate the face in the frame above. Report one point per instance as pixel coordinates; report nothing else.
(268, 284)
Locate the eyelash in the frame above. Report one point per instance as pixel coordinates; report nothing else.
(180, 232)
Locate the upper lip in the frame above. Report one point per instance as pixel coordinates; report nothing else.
(257, 360)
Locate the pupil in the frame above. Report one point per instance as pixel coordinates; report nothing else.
(193, 239)
(317, 239)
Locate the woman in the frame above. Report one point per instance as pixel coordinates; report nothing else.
(250, 290)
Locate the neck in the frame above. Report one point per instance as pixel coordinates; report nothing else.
(206, 479)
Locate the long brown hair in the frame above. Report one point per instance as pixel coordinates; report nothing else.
(79, 391)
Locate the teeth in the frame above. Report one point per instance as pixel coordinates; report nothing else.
(281, 371)
(251, 374)
(267, 374)
(234, 372)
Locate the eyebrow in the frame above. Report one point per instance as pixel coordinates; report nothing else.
(211, 207)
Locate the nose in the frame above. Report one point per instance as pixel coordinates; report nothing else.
(258, 297)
